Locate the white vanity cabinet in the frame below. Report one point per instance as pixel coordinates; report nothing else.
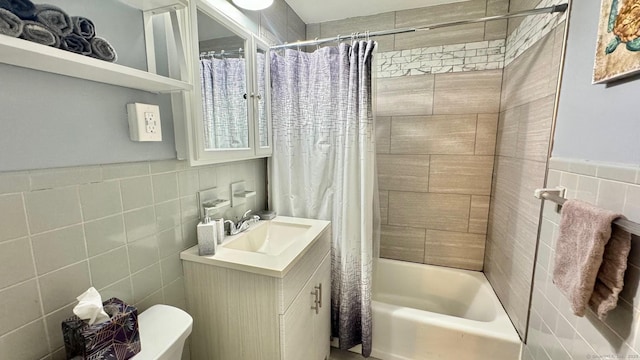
(245, 313)
(305, 326)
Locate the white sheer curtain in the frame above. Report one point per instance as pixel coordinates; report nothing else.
(323, 167)
(224, 86)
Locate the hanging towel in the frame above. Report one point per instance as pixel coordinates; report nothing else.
(10, 24)
(55, 19)
(590, 261)
(36, 32)
(75, 43)
(83, 27)
(24, 9)
(102, 49)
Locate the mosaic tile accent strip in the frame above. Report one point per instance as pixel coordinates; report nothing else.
(475, 56)
(532, 29)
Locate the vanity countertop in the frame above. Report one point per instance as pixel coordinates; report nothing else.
(236, 251)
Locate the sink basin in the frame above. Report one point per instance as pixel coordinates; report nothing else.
(270, 238)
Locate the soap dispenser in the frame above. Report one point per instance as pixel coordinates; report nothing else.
(207, 237)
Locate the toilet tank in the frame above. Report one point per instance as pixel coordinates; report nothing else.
(163, 331)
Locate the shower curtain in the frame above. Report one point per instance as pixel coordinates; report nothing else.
(323, 167)
(224, 85)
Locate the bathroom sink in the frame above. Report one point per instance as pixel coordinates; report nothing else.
(269, 248)
(269, 237)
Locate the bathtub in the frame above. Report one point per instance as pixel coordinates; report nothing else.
(424, 312)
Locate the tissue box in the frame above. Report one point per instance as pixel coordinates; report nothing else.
(116, 339)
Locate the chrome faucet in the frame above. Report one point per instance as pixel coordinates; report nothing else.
(243, 224)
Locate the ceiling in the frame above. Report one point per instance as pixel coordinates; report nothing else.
(315, 11)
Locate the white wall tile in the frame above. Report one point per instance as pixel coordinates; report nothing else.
(104, 234)
(56, 249)
(587, 337)
(100, 200)
(109, 268)
(19, 305)
(12, 222)
(16, 262)
(52, 209)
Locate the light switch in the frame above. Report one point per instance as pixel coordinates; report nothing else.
(144, 122)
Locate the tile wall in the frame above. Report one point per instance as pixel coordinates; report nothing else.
(526, 115)
(436, 132)
(554, 332)
(119, 228)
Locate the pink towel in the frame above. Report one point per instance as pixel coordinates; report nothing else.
(590, 260)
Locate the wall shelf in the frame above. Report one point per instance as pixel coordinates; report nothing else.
(157, 6)
(35, 56)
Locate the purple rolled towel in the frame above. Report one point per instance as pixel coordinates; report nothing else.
(10, 24)
(38, 33)
(55, 19)
(83, 27)
(24, 9)
(102, 49)
(76, 43)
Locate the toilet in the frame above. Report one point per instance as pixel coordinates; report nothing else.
(163, 331)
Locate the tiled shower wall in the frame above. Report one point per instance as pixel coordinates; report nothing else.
(438, 99)
(554, 332)
(119, 228)
(526, 116)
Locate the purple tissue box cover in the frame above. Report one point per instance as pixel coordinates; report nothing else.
(116, 339)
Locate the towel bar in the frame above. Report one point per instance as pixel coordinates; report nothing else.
(624, 224)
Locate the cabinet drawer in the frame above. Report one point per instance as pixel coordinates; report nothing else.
(292, 283)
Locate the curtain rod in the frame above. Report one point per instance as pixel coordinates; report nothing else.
(546, 10)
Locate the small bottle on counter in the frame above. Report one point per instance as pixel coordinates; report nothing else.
(220, 233)
(207, 237)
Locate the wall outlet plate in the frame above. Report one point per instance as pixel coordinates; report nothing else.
(144, 122)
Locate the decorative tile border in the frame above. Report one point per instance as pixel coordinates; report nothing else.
(532, 29)
(475, 56)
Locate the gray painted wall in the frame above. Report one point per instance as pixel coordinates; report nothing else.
(51, 121)
(595, 122)
(54, 121)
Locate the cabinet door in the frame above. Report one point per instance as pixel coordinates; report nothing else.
(297, 327)
(220, 126)
(262, 99)
(322, 321)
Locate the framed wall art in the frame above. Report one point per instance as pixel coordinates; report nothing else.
(618, 48)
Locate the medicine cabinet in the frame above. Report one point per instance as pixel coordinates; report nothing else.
(229, 115)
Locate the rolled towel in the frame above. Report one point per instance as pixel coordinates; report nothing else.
(83, 27)
(5, 4)
(75, 43)
(102, 49)
(36, 32)
(24, 9)
(55, 19)
(10, 24)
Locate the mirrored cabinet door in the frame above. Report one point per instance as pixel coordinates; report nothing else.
(229, 112)
(263, 98)
(224, 78)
